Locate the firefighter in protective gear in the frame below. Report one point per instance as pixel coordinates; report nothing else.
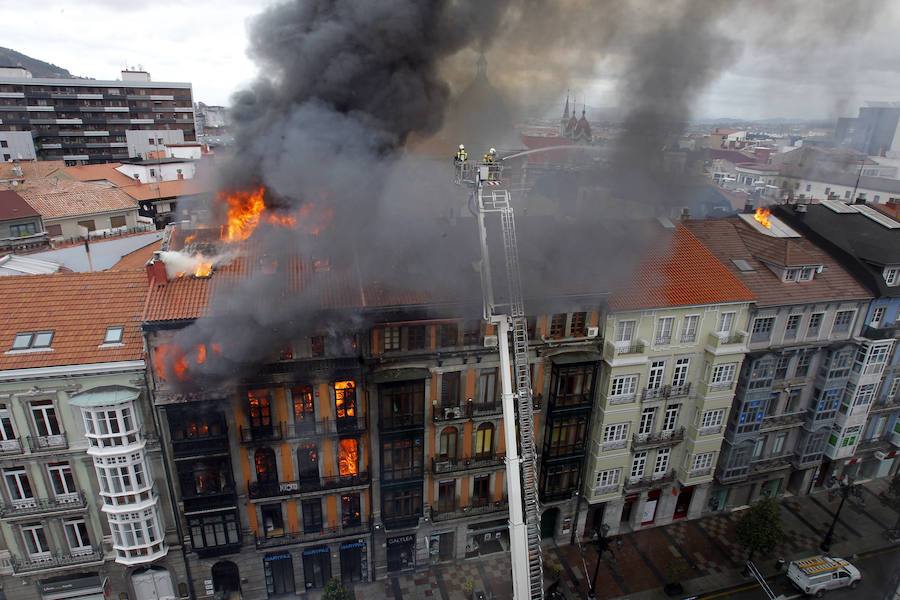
(490, 156)
(461, 154)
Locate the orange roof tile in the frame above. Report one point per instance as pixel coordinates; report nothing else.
(31, 169)
(681, 272)
(168, 189)
(78, 308)
(61, 198)
(107, 171)
(137, 259)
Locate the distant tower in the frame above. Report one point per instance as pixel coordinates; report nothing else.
(582, 131)
(565, 117)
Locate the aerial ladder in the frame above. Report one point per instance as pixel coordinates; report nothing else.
(488, 200)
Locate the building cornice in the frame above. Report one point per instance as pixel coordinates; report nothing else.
(72, 370)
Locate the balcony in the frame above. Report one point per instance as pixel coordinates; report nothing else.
(300, 537)
(10, 447)
(477, 508)
(624, 352)
(721, 386)
(770, 464)
(807, 459)
(210, 501)
(884, 332)
(200, 446)
(55, 561)
(401, 521)
(679, 391)
(658, 393)
(711, 430)
(613, 445)
(727, 343)
(401, 421)
(649, 481)
(44, 443)
(320, 427)
(704, 472)
(274, 489)
(262, 434)
(785, 421)
(42, 506)
(874, 444)
(733, 473)
(621, 399)
(602, 490)
(642, 441)
(451, 465)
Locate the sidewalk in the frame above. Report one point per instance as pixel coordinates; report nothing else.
(707, 545)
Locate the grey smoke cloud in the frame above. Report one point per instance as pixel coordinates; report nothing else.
(343, 86)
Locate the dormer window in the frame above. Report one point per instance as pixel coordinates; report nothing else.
(32, 340)
(892, 275)
(114, 335)
(799, 274)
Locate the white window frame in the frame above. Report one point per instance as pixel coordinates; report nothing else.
(648, 417)
(59, 470)
(712, 418)
(670, 418)
(615, 432)
(818, 327)
(73, 530)
(770, 320)
(778, 444)
(723, 373)
(628, 326)
(13, 478)
(663, 455)
(665, 327)
(892, 275)
(838, 314)
(608, 478)
(793, 332)
(725, 324)
(680, 371)
(864, 395)
(703, 460)
(638, 465)
(624, 385)
(44, 410)
(656, 374)
(806, 273)
(690, 326)
(877, 316)
(895, 385)
(30, 532)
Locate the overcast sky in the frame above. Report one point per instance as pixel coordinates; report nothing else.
(204, 42)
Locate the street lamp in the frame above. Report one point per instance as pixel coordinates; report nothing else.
(844, 487)
(603, 544)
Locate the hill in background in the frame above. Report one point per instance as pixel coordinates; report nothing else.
(38, 68)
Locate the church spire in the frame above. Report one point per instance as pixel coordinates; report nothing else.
(566, 111)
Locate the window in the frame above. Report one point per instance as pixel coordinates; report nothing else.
(781, 367)
(415, 337)
(401, 458)
(703, 461)
(758, 447)
(450, 389)
(557, 325)
(344, 400)
(655, 378)
(35, 540)
(402, 403)
(778, 445)
(312, 515)
(877, 316)
(391, 339)
(680, 372)
(895, 385)
(348, 457)
(448, 335)
(815, 322)
(44, 414)
(260, 409)
(608, 479)
(726, 322)
(273, 521)
(847, 195)
(214, 530)
(4, 144)
(304, 408)
(871, 359)
(117, 221)
(29, 340)
(850, 436)
(351, 514)
(487, 387)
(892, 275)
(578, 326)
(626, 385)
(803, 363)
(62, 479)
(625, 331)
(561, 479)
(723, 374)
(89, 225)
(567, 436)
(152, 172)
(842, 321)
(18, 484)
(7, 432)
(77, 535)
(113, 335)
(484, 440)
(449, 437)
(638, 463)
(712, 418)
(403, 502)
(761, 374)
(864, 394)
(447, 496)
(750, 416)
(22, 229)
(762, 329)
(54, 230)
(646, 424)
(481, 490)
(615, 433)
(689, 329)
(472, 333)
(662, 461)
(806, 274)
(266, 469)
(791, 274)
(670, 419)
(792, 326)
(664, 330)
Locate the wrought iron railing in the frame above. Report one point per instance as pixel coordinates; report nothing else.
(272, 489)
(477, 507)
(43, 505)
(450, 465)
(657, 438)
(286, 538)
(31, 564)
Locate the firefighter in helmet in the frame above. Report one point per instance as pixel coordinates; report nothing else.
(461, 154)
(490, 156)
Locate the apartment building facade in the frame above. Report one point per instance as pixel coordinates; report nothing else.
(88, 121)
(84, 505)
(838, 228)
(674, 344)
(803, 339)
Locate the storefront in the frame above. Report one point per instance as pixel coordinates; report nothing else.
(487, 538)
(316, 567)
(401, 553)
(442, 547)
(683, 503)
(354, 563)
(648, 516)
(279, 571)
(79, 587)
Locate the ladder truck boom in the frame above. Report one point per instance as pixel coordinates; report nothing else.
(489, 200)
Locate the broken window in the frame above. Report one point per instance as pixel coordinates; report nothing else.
(304, 409)
(348, 457)
(345, 399)
(558, 325)
(260, 405)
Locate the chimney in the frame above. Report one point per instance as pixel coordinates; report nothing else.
(861, 199)
(156, 269)
(748, 208)
(685, 213)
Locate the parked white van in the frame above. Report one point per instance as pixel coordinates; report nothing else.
(818, 574)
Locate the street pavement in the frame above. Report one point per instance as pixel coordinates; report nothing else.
(637, 569)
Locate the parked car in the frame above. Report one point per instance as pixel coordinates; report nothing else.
(818, 574)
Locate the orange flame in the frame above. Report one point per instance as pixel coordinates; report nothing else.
(216, 348)
(203, 269)
(348, 457)
(244, 210)
(762, 217)
(162, 355)
(201, 354)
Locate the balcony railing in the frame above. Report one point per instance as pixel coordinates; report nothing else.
(401, 521)
(721, 386)
(613, 445)
(196, 446)
(613, 350)
(299, 537)
(881, 332)
(808, 459)
(35, 506)
(320, 427)
(263, 433)
(649, 481)
(401, 421)
(52, 561)
(782, 421)
(450, 465)
(732, 342)
(711, 430)
(700, 472)
(272, 489)
(621, 399)
(677, 391)
(657, 393)
(476, 508)
(880, 443)
(11, 446)
(209, 501)
(771, 463)
(600, 490)
(43, 443)
(657, 438)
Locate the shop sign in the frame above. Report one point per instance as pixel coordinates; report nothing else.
(403, 539)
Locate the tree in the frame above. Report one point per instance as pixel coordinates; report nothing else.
(334, 590)
(759, 529)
